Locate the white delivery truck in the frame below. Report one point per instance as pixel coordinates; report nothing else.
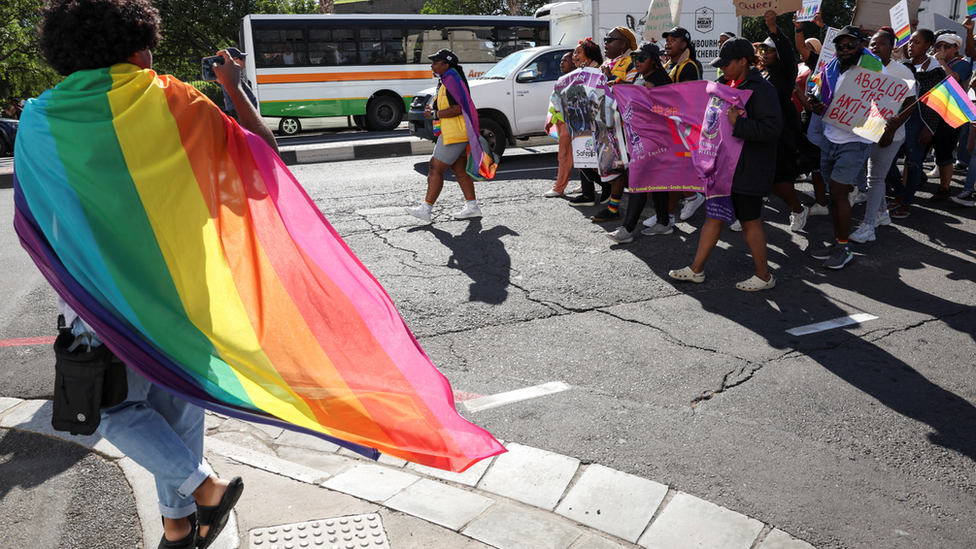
(704, 19)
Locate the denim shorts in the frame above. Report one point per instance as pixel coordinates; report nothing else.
(842, 163)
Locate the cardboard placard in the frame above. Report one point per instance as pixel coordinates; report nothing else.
(874, 14)
(758, 8)
(827, 51)
(865, 101)
(943, 22)
(901, 23)
(662, 16)
(809, 10)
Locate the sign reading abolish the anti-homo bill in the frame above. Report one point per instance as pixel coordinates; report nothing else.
(865, 101)
(757, 8)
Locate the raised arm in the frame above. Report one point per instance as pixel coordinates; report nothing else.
(229, 75)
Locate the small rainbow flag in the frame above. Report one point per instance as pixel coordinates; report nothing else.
(971, 6)
(904, 34)
(188, 246)
(951, 102)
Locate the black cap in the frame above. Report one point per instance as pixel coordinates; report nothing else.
(849, 30)
(679, 32)
(444, 55)
(648, 49)
(733, 49)
(236, 53)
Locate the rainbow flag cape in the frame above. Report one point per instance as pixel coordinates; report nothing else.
(951, 102)
(193, 252)
(481, 165)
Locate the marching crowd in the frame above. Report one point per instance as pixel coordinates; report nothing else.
(790, 93)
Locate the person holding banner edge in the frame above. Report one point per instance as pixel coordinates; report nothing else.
(843, 153)
(753, 178)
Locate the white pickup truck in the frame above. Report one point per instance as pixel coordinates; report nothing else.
(512, 98)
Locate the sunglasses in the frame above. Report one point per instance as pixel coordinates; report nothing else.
(641, 58)
(609, 39)
(847, 46)
(944, 46)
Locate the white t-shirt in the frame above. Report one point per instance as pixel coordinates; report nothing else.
(840, 136)
(895, 68)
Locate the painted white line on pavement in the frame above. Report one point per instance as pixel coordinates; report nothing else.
(527, 170)
(491, 401)
(831, 324)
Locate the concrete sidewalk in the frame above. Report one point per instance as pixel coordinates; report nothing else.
(302, 491)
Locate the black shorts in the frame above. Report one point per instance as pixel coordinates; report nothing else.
(746, 207)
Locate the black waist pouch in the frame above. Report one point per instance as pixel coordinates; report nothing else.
(86, 379)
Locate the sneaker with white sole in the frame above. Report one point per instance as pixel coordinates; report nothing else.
(469, 211)
(691, 205)
(421, 212)
(737, 226)
(552, 193)
(861, 198)
(933, 173)
(841, 256)
(883, 219)
(621, 235)
(658, 229)
(651, 221)
(864, 233)
(817, 209)
(854, 195)
(823, 253)
(799, 220)
(965, 198)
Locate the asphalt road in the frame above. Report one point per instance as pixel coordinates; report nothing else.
(858, 437)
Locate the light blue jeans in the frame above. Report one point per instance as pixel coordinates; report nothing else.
(163, 434)
(879, 163)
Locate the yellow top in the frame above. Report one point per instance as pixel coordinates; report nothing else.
(453, 129)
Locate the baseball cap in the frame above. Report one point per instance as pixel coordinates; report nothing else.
(444, 55)
(236, 53)
(648, 49)
(769, 43)
(678, 32)
(814, 44)
(733, 49)
(849, 30)
(950, 38)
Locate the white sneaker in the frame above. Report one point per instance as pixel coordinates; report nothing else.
(861, 198)
(817, 209)
(883, 219)
(651, 221)
(552, 193)
(853, 196)
(621, 235)
(864, 233)
(691, 204)
(657, 229)
(799, 220)
(934, 172)
(469, 211)
(737, 227)
(421, 212)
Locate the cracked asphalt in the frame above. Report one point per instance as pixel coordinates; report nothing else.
(858, 437)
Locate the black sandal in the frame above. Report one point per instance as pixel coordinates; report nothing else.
(185, 543)
(215, 516)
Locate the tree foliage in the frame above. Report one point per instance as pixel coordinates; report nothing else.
(483, 7)
(836, 13)
(23, 72)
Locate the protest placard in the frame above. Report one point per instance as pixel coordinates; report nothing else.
(901, 23)
(662, 15)
(808, 11)
(757, 8)
(827, 51)
(865, 101)
(943, 22)
(871, 15)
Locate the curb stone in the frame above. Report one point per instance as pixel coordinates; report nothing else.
(598, 508)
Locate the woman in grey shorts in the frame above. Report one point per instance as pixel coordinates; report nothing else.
(450, 150)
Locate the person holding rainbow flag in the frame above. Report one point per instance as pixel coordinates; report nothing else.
(459, 144)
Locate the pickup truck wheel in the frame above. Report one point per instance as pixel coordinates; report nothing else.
(289, 126)
(494, 135)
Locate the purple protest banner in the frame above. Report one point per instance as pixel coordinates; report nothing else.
(680, 139)
(587, 107)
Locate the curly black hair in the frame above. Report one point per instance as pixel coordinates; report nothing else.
(92, 34)
(591, 50)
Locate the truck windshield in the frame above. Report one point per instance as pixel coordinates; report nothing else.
(505, 67)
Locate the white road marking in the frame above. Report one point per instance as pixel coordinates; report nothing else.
(527, 170)
(491, 401)
(831, 324)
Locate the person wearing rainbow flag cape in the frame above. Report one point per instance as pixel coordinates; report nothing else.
(459, 145)
(843, 153)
